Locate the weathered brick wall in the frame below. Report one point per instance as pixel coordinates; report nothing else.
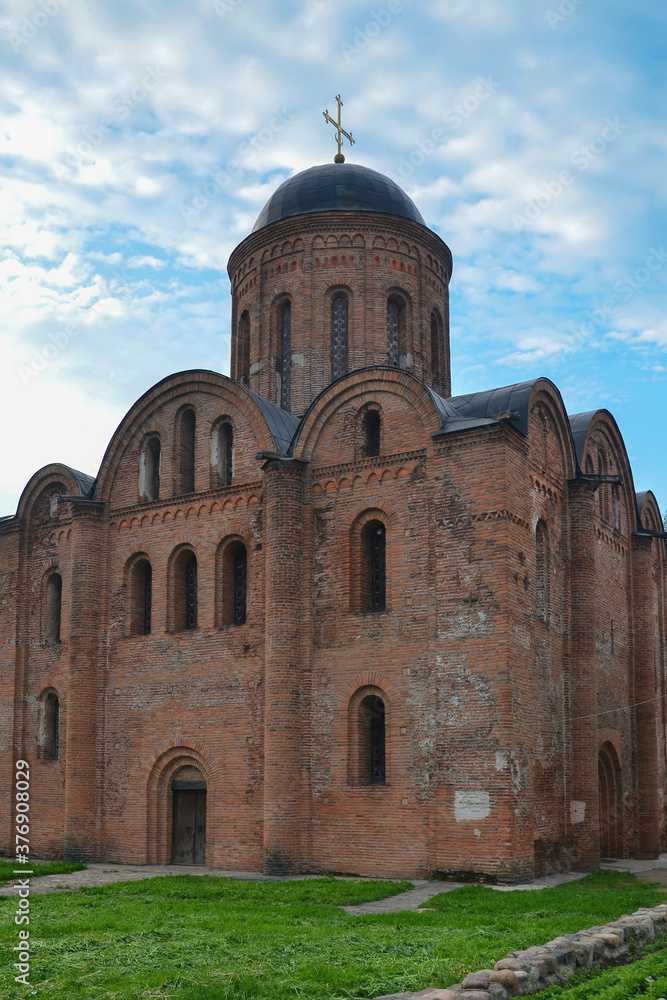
(366, 255)
(503, 672)
(9, 597)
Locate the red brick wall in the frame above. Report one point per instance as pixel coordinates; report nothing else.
(367, 256)
(494, 717)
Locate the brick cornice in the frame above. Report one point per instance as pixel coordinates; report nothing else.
(369, 224)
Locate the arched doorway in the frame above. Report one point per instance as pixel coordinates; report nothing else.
(188, 789)
(609, 790)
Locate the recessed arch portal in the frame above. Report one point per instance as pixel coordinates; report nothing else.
(610, 802)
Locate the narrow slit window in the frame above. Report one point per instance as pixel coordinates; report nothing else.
(151, 469)
(286, 356)
(371, 737)
(372, 423)
(339, 311)
(240, 584)
(373, 580)
(54, 590)
(393, 330)
(141, 598)
(223, 452)
(243, 350)
(191, 593)
(436, 349)
(49, 726)
(543, 571)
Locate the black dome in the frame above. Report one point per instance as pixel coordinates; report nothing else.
(341, 187)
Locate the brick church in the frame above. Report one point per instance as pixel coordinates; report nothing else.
(322, 615)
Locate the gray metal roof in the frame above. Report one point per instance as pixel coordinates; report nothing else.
(579, 424)
(331, 187)
(283, 425)
(86, 483)
(477, 409)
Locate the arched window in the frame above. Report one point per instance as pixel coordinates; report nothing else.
(184, 591)
(243, 348)
(395, 331)
(372, 720)
(339, 311)
(49, 725)
(233, 583)
(367, 733)
(542, 571)
(285, 358)
(141, 598)
(185, 452)
(222, 452)
(191, 593)
(371, 432)
(54, 590)
(373, 575)
(149, 469)
(436, 347)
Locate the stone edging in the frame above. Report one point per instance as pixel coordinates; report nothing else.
(532, 970)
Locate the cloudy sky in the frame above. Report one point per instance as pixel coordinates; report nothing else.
(140, 139)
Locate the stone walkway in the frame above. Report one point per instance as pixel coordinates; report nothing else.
(413, 899)
(104, 874)
(654, 870)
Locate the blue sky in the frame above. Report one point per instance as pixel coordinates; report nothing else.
(139, 141)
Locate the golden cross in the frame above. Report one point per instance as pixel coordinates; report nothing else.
(340, 131)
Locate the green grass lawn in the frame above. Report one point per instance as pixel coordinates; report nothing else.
(9, 868)
(195, 937)
(646, 978)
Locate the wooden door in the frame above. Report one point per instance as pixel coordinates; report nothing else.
(189, 834)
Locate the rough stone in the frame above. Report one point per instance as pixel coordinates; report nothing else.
(498, 991)
(510, 963)
(477, 980)
(506, 977)
(438, 994)
(610, 939)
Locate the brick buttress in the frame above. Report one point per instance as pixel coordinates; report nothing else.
(282, 672)
(80, 782)
(584, 812)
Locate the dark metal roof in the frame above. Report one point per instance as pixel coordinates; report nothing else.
(579, 424)
(639, 499)
(343, 187)
(283, 426)
(478, 409)
(86, 483)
